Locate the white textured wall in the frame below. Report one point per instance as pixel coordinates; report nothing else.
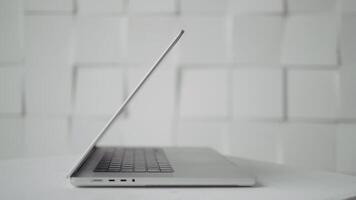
(272, 80)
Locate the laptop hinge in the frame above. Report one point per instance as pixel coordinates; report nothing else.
(80, 163)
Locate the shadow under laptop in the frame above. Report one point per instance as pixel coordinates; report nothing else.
(257, 185)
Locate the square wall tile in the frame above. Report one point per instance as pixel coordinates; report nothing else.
(11, 138)
(348, 40)
(256, 141)
(48, 41)
(46, 137)
(256, 6)
(156, 99)
(312, 94)
(149, 36)
(100, 7)
(257, 39)
(11, 34)
(309, 145)
(347, 92)
(204, 93)
(203, 6)
(49, 5)
(202, 134)
(11, 90)
(348, 6)
(153, 6)
(310, 40)
(205, 40)
(100, 39)
(48, 91)
(258, 93)
(311, 6)
(99, 90)
(346, 148)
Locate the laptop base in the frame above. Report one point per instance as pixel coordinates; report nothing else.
(202, 167)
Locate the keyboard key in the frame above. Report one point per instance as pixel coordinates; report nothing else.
(153, 170)
(100, 170)
(114, 170)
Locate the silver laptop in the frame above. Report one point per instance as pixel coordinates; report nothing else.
(154, 166)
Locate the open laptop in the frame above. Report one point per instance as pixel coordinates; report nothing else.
(154, 166)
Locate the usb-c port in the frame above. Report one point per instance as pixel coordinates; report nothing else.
(123, 180)
(111, 180)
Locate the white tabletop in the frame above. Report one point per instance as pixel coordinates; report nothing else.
(45, 178)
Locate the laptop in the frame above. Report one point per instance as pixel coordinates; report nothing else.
(108, 166)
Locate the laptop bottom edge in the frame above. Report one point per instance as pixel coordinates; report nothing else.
(160, 182)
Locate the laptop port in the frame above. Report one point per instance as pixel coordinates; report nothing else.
(133, 180)
(123, 180)
(111, 180)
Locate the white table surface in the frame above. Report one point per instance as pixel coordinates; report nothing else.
(45, 178)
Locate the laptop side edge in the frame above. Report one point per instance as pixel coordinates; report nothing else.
(91, 147)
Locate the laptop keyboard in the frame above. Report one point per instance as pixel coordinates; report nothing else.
(134, 160)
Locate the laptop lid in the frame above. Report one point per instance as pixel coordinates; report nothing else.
(124, 104)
